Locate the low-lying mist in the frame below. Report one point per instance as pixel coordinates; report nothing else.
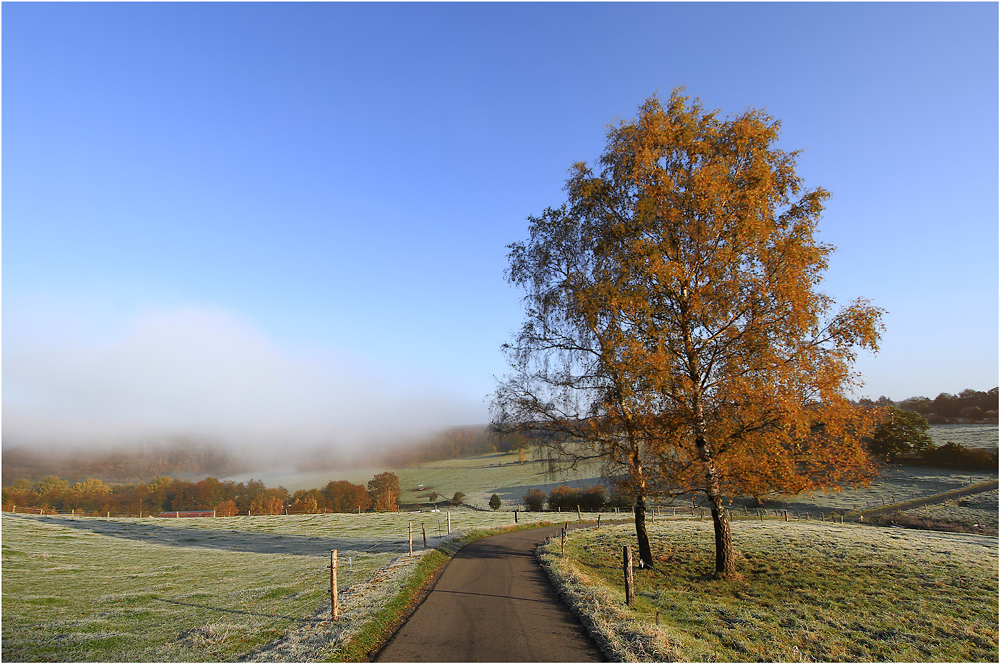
(211, 377)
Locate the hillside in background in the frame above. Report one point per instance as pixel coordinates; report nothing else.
(191, 457)
(135, 464)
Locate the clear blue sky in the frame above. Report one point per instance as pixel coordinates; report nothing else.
(290, 220)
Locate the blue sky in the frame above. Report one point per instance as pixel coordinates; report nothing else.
(290, 220)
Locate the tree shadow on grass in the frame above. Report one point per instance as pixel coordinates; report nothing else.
(229, 540)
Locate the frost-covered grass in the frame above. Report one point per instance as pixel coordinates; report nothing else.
(90, 589)
(73, 594)
(983, 436)
(811, 592)
(977, 509)
(480, 477)
(896, 484)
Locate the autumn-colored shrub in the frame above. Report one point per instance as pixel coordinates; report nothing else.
(534, 500)
(564, 497)
(593, 498)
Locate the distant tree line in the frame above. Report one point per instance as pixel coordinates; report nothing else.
(226, 498)
(968, 405)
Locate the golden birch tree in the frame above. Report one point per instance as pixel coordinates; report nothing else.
(674, 299)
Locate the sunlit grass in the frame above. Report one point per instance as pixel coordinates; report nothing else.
(91, 589)
(810, 592)
(983, 436)
(975, 510)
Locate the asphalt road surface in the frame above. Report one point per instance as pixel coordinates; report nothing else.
(493, 603)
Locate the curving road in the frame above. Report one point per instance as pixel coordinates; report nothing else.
(493, 603)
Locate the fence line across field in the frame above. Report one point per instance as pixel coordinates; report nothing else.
(343, 575)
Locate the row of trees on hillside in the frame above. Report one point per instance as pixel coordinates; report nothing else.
(161, 494)
(674, 324)
(970, 405)
(227, 498)
(142, 461)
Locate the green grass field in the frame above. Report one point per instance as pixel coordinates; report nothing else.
(811, 592)
(256, 588)
(92, 589)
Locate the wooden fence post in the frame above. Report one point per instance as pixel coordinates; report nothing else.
(629, 579)
(423, 527)
(579, 517)
(411, 539)
(449, 522)
(598, 520)
(335, 606)
(562, 545)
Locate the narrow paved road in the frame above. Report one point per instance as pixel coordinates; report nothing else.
(493, 603)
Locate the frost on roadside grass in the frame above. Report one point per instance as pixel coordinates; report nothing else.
(615, 628)
(73, 594)
(813, 592)
(358, 604)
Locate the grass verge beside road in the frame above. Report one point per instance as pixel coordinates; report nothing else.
(811, 591)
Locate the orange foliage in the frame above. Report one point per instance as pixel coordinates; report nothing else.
(674, 321)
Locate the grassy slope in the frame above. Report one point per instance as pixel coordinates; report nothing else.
(480, 477)
(811, 592)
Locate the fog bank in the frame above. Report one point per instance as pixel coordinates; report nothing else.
(211, 374)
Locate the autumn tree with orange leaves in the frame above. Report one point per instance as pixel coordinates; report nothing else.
(674, 325)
